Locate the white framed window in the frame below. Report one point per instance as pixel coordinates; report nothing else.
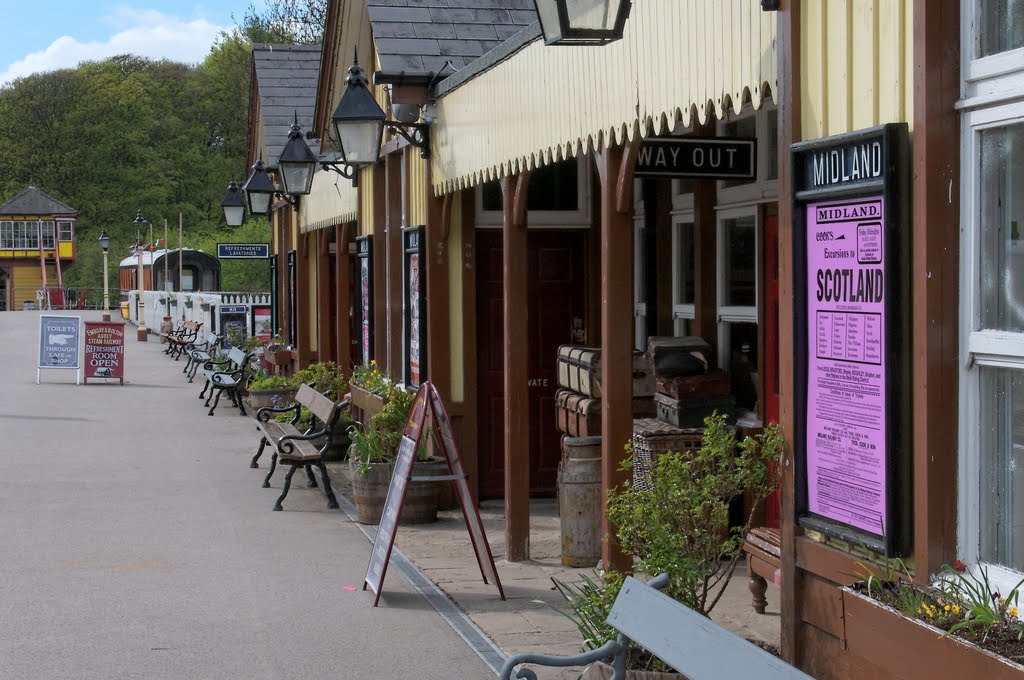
(65, 231)
(558, 197)
(762, 124)
(990, 531)
(47, 235)
(26, 235)
(737, 294)
(683, 273)
(639, 282)
(6, 235)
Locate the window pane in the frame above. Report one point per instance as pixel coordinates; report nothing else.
(1002, 453)
(6, 234)
(1002, 25)
(684, 254)
(47, 233)
(553, 187)
(1001, 197)
(772, 146)
(64, 229)
(740, 262)
(743, 127)
(743, 362)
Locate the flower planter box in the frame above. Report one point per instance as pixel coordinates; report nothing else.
(909, 648)
(281, 357)
(275, 398)
(368, 403)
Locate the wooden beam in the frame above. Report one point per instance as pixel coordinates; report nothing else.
(663, 238)
(439, 363)
(616, 337)
(324, 332)
(380, 270)
(624, 182)
(516, 346)
(935, 321)
(787, 99)
(392, 247)
(470, 430)
(343, 297)
(303, 306)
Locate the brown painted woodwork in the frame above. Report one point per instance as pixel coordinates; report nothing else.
(787, 98)
(283, 246)
(394, 164)
(555, 265)
(935, 321)
(343, 297)
(663, 227)
(470, 423)
(439, 366)
(825, 561)
(616, 336)
(380, 272)
(303, 302)
(624, 179)
(824, 658)
(325, 319)
(768, 349)
(705, 253)
(821, 605)
(517, 394)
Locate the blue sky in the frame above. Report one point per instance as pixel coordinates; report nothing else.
(49, 34)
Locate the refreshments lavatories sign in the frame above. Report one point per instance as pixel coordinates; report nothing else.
(851, 245)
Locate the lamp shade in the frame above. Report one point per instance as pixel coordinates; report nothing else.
(359, 120)
(297, 163)
(582, 22)
(234, 205)
(259, 190)
(139, 219)
(104, 240)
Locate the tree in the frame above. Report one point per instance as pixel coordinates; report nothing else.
(286, 21)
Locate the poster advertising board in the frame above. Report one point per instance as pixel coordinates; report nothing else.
(59, 344)
(852, 293)
(262, 323)
(233, 323)
(427, 412)
(364, 257)
(415, 306)
(104, 350)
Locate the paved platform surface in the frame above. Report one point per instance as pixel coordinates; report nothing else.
(142, 546)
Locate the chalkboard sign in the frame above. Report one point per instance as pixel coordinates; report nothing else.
(59, 343)
(427, 410)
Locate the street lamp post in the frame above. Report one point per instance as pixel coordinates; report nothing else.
(105, 244)
(142, 334)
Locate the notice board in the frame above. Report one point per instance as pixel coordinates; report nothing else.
(427, 411)
(104, 350)
(59, 344)
(851, 333)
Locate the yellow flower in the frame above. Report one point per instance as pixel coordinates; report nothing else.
(947, 607)
(1013, 611)
(956, 609)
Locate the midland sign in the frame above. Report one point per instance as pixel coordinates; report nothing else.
(697, 158)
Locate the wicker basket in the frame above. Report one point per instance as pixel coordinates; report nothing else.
(651, 438)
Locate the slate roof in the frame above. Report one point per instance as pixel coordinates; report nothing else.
(286, 76)
(419, 36)
(34, 201)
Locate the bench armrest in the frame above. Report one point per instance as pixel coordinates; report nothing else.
(263, 414)
(214, 363)
(286, 446)
(615, 650)
(218, 377)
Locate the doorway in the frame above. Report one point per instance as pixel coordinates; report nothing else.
(556, 297)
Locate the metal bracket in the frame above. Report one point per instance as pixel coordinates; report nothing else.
(418, 137)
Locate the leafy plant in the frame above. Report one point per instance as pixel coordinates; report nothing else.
(984, 608)
(590, 603)
(261, 380)
(390, 422)
(681, 525)
(325, 377)
(371, 379)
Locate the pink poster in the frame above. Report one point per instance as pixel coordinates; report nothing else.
(364, 306)
(414, 319)
(846, 405)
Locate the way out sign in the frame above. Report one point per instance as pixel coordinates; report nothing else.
(59, 343)
(697, 158)
(427, 411)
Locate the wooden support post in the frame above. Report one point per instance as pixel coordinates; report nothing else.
(439, 370)
(379, 269)
(615, 166)
(343, 297)
(516, 345)
(469, 442)
(392, 247)
(324, 332)
(303, 304)
(663, 239)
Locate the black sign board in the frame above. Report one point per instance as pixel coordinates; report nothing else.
(427, 408)
(243, 251)
(697, 158)
(851, 246)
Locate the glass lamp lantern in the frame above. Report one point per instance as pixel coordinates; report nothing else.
(234, 205)
(259, 190)
(297, 163)
(582, 22)
(359, 120)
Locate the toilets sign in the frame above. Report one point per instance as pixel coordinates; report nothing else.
(697, 158)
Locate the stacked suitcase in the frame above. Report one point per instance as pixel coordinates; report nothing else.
(578, 403)
(688, 388)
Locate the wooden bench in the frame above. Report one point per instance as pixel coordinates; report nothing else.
(763, 547)
(179, 338)
(199, 352)
(295, 448)
(229, 375)
(689, 642)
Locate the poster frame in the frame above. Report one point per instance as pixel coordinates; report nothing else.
(413, 242)
(364, 317)
(893, 187)
(77, 367)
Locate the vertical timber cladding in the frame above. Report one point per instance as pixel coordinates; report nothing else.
(851, 226)
(414, 325)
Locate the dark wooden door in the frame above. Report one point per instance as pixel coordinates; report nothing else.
(556, 298)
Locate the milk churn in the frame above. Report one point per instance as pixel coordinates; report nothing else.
(579, 501)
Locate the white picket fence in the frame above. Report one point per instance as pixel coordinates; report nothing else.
(200, 307)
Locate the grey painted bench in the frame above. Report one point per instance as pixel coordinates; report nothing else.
(199, 352)
(693, 644)
(295, 448)
(229, 375)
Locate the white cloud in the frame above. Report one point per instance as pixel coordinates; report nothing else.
(144, 33)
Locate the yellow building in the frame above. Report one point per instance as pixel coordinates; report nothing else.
(37, 235)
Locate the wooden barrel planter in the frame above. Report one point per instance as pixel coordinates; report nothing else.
(370, 490)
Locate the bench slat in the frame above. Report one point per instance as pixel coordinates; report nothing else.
(319, 405)
(694, 645)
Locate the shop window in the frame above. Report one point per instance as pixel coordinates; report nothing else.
(6, 235)
(990, 490)
(64, 231)
(737, 285)
(558, 195)
(47, 235)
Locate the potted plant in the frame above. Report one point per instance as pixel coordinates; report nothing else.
(326, 377)
(680, 526)
(959, 626)
(265, 389)
(204, 304)
(372, 454)
(188, 302)
(276, 353)
(369, 390)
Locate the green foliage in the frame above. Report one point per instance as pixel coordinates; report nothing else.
(286, 21)
(590, 603)
(261, 380)
(390, 422)
(984, 608)
(325, 377)
(371, 379)
(680, 526)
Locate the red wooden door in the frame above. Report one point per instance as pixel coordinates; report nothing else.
(771, 355)
(555, 298)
